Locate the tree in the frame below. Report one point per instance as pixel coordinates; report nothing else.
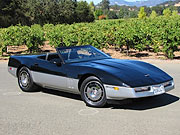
(133, 14)
(92, 7)
(12, 12)
(172, 7)
(142, 13)
(112, 15)
(178, 9)
(98, 13)
(153, 14)
(158, 9)
(84, 14)
(123, 12)
(115, 7)
(175, 13)
(68, 11)
(167, 12)
(147, 10)
(105, 5)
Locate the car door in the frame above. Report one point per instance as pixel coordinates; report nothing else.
(48, 73)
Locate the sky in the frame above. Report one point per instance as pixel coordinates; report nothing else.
(97, 1)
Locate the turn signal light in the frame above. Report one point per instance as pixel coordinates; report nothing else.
(116, 88)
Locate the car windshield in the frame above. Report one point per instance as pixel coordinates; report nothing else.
(81, 53)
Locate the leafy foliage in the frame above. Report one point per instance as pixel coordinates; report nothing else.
(175, 13)
(92, 6)
(159, 34)
(153, 14)
(112, 15)
(167, 12)
(1, 42)
(36, 37)
(13, 12)
(84, 14)
(105, 4)
(142, 13)
(23, 35)
(98, 13)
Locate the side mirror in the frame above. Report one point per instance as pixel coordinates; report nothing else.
(58, 64)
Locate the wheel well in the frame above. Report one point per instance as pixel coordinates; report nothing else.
(19, 69)
(83, 77)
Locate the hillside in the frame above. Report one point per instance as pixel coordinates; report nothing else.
(138, 3)
(170, 3)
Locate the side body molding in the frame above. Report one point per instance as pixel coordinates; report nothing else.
(55, 82)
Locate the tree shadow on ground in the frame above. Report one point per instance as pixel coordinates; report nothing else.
(177, 57)
(139, 55)
(146, 103)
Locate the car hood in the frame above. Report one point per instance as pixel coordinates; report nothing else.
(131, 72)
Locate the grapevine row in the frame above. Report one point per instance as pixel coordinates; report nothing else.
(160, 34)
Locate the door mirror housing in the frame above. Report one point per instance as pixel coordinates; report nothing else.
(56, 61)
(58, 64)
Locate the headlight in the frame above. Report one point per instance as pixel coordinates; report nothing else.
(140, 89)
(169, 83)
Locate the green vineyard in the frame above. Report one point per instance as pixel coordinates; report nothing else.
(159, 34)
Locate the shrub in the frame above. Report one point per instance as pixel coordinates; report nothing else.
(36, 38)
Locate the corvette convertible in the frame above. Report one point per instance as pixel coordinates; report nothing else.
(91, 73)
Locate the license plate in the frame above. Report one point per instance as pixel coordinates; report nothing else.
(158, 89)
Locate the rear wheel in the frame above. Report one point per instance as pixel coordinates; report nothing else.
(25, 81)
(93, 92)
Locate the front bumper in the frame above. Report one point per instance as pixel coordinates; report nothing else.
(125, 92)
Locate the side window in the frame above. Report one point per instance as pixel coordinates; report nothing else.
(54, 58)
(43, 57)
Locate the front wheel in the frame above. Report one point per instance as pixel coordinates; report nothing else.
(25, 81)
(93, 92)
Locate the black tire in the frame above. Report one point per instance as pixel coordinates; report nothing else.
(93, 92)
(26, 85)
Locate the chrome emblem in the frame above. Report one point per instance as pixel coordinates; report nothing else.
(147, 75)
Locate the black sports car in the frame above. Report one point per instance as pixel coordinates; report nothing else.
(91, 73)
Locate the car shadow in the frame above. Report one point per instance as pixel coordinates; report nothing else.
(145, 103)
(62, 94)
(129, 104)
